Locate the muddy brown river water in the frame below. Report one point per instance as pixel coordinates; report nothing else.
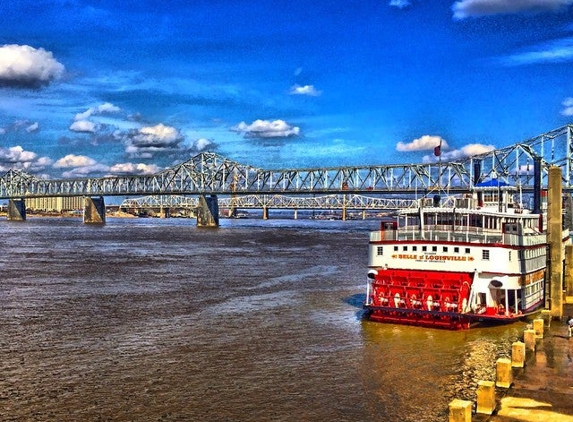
(157, 320)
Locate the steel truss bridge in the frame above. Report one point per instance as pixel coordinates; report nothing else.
(212, 174)
(325, 202)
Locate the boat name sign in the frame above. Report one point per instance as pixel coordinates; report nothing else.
(426, 258)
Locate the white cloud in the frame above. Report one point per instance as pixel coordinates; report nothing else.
(471, 8)
(458, 154)
(149, 140)
(16, 154)
(201, 144)
(424, 143)
(18, 158)
(105, 108)
(401, 4)
(44, 161)
(72, 160)
(83, 126)
(568, 104)
(34, 127)
(85, 170)
(557, 51)
(131, 168)
(159, 135)
(22, 66)
(266, 129)
(309, 90)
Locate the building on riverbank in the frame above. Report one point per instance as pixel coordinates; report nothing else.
(55, 203)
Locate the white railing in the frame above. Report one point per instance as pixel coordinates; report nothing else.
(458, 234)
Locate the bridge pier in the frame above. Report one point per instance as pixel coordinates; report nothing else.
(94, 210)
(164, 212)
(296, 214)
(265, 213)
(16, 210)
(208, 211)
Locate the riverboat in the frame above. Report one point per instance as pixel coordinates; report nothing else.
(459, 261)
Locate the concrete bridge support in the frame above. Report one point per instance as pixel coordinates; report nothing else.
(94, 210)
(164, 212)
(554, 234)
(208, 211)
(16, 210)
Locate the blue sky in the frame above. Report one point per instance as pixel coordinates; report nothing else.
(89, 89)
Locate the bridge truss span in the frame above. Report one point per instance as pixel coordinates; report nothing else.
(210, 173)
(276, 201)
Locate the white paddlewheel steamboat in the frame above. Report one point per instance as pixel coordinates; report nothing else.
(477, 258)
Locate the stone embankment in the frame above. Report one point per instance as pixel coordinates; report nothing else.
(540, 391)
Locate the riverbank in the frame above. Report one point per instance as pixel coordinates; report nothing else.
(543, 390)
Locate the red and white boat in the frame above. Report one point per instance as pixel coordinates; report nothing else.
(473, 259)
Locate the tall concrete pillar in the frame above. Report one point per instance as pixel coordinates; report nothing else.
(16, 210)
(265, 213)
(569, 273)
(94, 210)
(208, 211)
(554, 239)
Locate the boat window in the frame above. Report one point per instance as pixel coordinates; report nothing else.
(456, 250)
(380, 250)
(509, 256)
(404, 248)
(445, 249)
(414, 248)
(424, 248)
(395, 248)
(485, 255)
(434, 249)
(467, 250)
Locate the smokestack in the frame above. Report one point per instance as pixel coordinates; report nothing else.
(477, 171)
(536, 185)
(477, 177)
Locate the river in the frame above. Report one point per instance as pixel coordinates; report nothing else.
(158, 320)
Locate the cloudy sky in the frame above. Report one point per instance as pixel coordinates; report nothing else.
(100, 88)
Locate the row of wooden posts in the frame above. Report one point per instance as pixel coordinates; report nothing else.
(461, 410)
